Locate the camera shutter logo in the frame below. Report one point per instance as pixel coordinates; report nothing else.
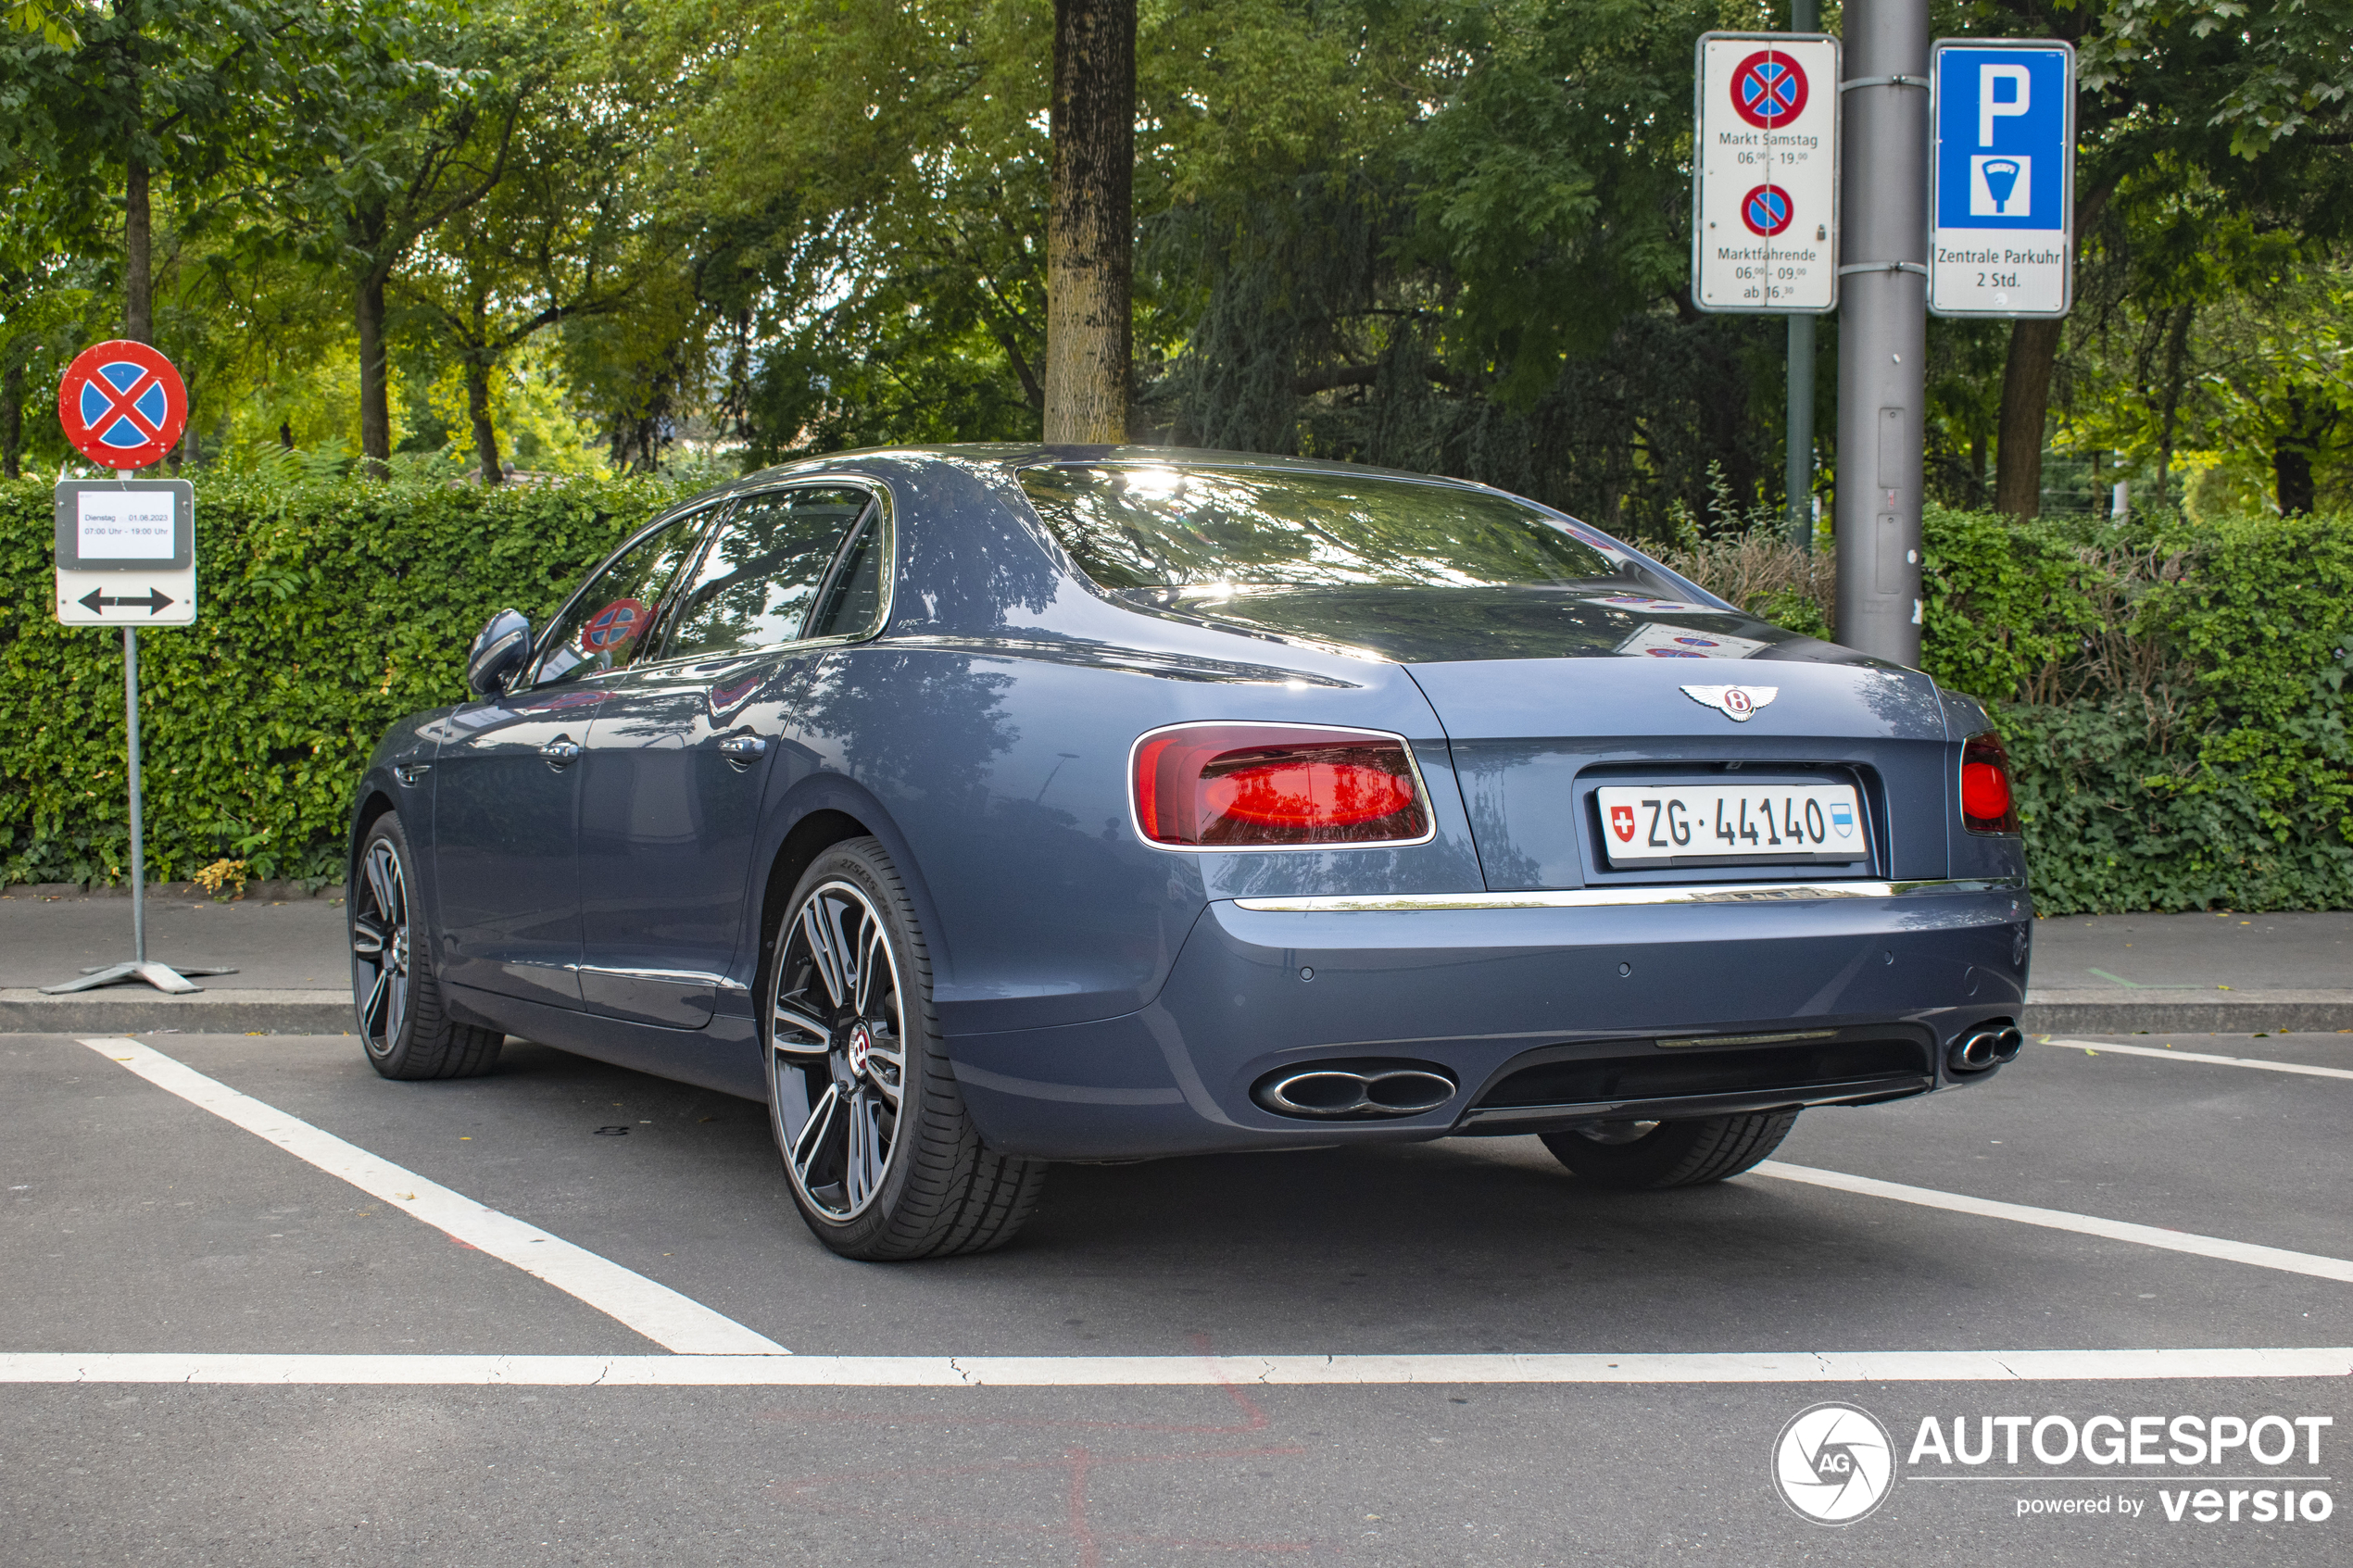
(1833, 1463)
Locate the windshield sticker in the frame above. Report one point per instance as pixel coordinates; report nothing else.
(1681, 642)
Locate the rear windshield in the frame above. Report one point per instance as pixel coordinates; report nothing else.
(1151, 527)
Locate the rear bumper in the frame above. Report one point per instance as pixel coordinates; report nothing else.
(1543, 1008)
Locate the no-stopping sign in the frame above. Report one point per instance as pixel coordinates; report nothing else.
(121, 404)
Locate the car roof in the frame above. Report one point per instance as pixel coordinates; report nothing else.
(1005, 456)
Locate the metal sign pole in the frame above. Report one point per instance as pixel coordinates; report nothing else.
(1797, 473)
(138, 831)
(1882, 341)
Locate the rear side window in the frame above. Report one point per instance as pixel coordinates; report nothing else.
(850, 602)
(1145, 527)
(758, 581)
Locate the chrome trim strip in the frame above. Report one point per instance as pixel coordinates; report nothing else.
(1604, 898)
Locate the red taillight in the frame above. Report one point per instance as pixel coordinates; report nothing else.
(1256, 785)
(1986, 806)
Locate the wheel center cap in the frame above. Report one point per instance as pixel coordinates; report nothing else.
(861, 1049)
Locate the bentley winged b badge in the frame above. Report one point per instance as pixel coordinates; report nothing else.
(1737, 703)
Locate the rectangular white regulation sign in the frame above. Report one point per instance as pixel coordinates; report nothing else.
(126, 552)
(2001, 187)
(1765, 173)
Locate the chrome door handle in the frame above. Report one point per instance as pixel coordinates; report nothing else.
(743, 748)
(561, 752)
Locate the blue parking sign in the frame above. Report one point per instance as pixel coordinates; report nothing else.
(2002, 194)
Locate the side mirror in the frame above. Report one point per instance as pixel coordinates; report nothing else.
(498, 652)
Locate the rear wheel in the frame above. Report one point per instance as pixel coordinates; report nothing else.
(395, 994)
(883, 1159)
(1645, 1156)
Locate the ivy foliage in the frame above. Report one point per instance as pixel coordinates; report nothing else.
(2173, 700)
(325, 612)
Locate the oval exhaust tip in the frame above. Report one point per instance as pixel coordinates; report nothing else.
(1323, 1093)
(1408, 1091)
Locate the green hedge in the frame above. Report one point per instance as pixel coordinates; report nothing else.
(2173, 694)
(326, 612)
(2172, 698)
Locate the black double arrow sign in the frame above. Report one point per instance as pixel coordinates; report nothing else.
(153, 599)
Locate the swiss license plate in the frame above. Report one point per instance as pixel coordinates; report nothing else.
(1699, 824)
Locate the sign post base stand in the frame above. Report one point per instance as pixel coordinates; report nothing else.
(162, 976)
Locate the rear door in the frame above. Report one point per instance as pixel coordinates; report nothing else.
(507, 790)
(680, 749)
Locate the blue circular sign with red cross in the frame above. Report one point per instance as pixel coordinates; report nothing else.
(1768, 90)
(122, 405)
(613, 626)
(1767, 210)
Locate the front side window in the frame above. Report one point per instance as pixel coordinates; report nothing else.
(758, 581)
(1153, 527)
(606, 626)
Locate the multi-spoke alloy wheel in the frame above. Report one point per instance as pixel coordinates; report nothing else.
(839, 1050)
(883, 1159)
(380, 945)
(395, 994)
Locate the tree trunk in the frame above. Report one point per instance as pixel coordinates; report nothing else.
(2291, 455)
(376, 406)
(12, 421)
(478, 411)
(2026, 391)
(1090, 221)
(2177, 342)
(2026, 400)
(138, 256)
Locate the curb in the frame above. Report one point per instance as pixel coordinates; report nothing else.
(2245, 1012)
(122, 1010)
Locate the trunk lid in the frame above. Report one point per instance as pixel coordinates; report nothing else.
(1549, 695)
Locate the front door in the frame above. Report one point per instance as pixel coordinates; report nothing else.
(680, 752)
(507, 792)
(506, 813)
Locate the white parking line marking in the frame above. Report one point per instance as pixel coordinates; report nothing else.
(2060, 1219)
(670, 1319)
(2096, 1046)
(1101, 1372)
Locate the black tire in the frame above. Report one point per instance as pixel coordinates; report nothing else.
(1672, 1154)
(395, 994)
(855, 1061)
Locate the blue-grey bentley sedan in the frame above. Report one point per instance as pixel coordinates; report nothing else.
(977, 807)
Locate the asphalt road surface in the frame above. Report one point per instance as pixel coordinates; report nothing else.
(1437, 1354)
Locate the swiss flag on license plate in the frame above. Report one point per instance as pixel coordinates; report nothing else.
(1621, 822)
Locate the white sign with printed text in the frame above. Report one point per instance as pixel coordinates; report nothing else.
(126, 552)
(1765, 173)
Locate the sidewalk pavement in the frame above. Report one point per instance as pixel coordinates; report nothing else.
(293, 964)
(2109, 974)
